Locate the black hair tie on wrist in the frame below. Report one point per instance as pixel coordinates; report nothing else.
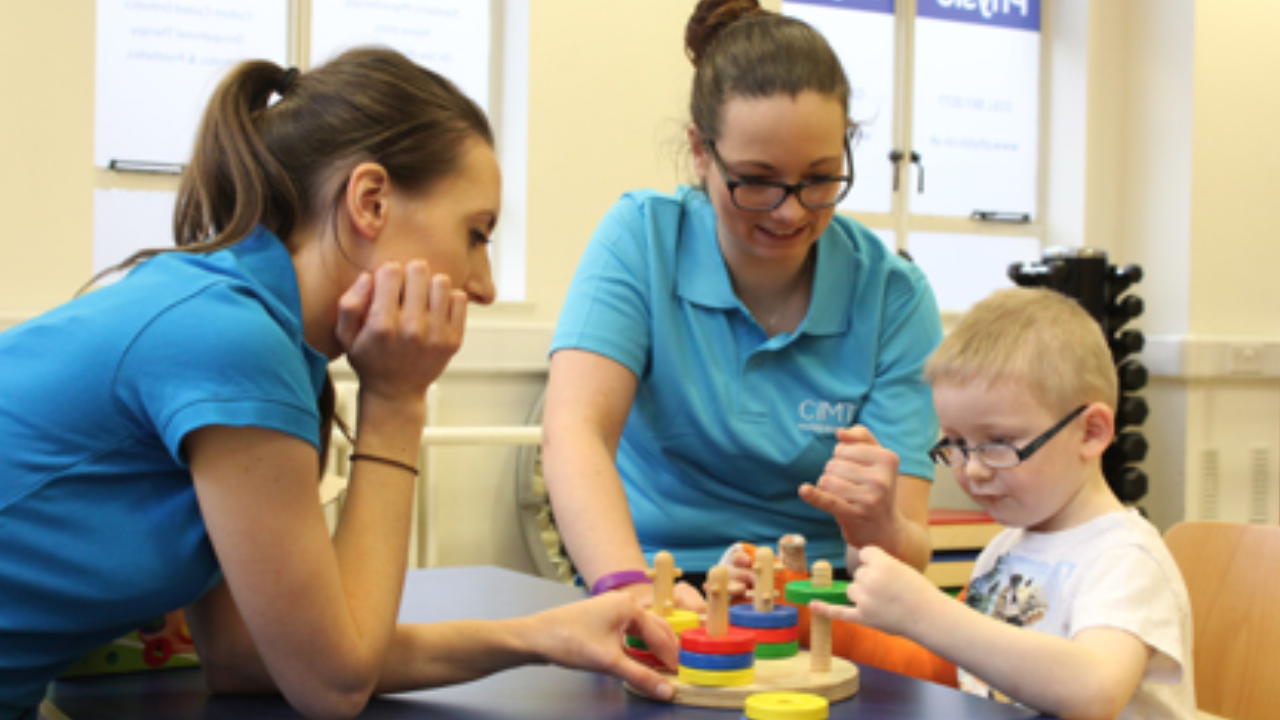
(385, 461)
(286, 81)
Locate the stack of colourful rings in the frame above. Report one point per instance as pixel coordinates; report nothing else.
(777, 632)
(680, 620)
(719, 661)
(785, 706)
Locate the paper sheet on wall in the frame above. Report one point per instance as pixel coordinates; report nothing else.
(126, 221)
(451, 37)
(976, 115)
(158, 62)
(963, 269)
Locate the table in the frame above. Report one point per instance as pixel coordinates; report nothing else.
(530, 693)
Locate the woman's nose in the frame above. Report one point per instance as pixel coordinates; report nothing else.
(480, 288)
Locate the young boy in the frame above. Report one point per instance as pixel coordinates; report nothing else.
(1080, 610)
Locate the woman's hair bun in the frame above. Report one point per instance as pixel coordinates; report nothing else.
(710, 18)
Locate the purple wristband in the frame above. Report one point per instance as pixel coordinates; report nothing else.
(615, 580)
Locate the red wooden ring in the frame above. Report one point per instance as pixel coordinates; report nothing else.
(735, 642)
(647, 658)
(776, 635)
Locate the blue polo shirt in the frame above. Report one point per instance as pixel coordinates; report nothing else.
(727, 423)
(100, 530)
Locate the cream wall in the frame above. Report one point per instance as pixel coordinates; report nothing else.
(1162, 153)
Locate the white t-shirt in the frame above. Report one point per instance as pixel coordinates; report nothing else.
(1113, 571)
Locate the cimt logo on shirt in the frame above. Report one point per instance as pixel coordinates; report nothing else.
(823, 417)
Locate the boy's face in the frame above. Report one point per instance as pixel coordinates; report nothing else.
(1045, 493)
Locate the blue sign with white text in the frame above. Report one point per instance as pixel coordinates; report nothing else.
(882, 6)
(1017, 14)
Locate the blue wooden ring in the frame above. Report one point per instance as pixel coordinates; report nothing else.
(706, 661)
(747, 616)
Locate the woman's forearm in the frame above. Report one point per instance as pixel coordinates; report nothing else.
(590, 506)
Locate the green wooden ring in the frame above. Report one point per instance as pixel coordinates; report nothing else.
(777, 651)
(635, 642)
(802, 592)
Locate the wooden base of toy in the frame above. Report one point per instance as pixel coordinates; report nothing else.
(790, 675)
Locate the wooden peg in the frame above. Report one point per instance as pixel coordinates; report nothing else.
(820, 625)
(764, 591)
(717, 589)
(663, 574)
(791, 548)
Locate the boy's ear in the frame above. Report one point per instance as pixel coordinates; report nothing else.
(367, 199)
(1099, 429)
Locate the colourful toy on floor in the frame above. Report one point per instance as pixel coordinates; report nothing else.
(163, 643)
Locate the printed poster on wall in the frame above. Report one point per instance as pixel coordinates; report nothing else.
(976, 106)
(158, 62)
(451, 37)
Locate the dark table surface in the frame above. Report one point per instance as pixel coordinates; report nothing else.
(530, 693)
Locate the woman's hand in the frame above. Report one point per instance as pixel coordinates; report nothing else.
(400, 327)
(683, 595)
(587, 635)
(858, 488)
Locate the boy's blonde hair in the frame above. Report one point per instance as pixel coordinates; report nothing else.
(1039, 338)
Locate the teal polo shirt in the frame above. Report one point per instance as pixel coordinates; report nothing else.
(727, 423)
(100, 527)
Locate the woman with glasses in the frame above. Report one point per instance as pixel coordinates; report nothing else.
(736, 361)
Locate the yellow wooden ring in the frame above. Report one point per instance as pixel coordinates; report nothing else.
(716, 678)
(786, 706)
(682, 620)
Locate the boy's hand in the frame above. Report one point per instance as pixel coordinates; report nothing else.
(858, 487)
(886, 593)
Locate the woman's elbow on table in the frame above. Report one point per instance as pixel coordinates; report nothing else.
(312, 697)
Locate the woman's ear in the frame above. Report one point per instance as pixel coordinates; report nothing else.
(368, 199)
(1099, 430)
(698, 148)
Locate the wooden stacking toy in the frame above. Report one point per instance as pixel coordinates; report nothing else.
(785, 706)
(820, 587)
(776, 627)
(717, 655)
(663, 574)
(720, 664)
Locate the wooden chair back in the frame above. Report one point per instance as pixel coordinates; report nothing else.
(1232, 571)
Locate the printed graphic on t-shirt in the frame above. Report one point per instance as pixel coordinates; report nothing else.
(825, 417)
(1017, 591)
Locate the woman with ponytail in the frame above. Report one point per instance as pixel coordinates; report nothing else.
(737, 361)
(165, 434)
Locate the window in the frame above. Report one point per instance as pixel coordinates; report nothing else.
(949, 94)
(143, 45)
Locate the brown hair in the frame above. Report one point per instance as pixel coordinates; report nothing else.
(739, 49)
(1038, 338)
(284, 165)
